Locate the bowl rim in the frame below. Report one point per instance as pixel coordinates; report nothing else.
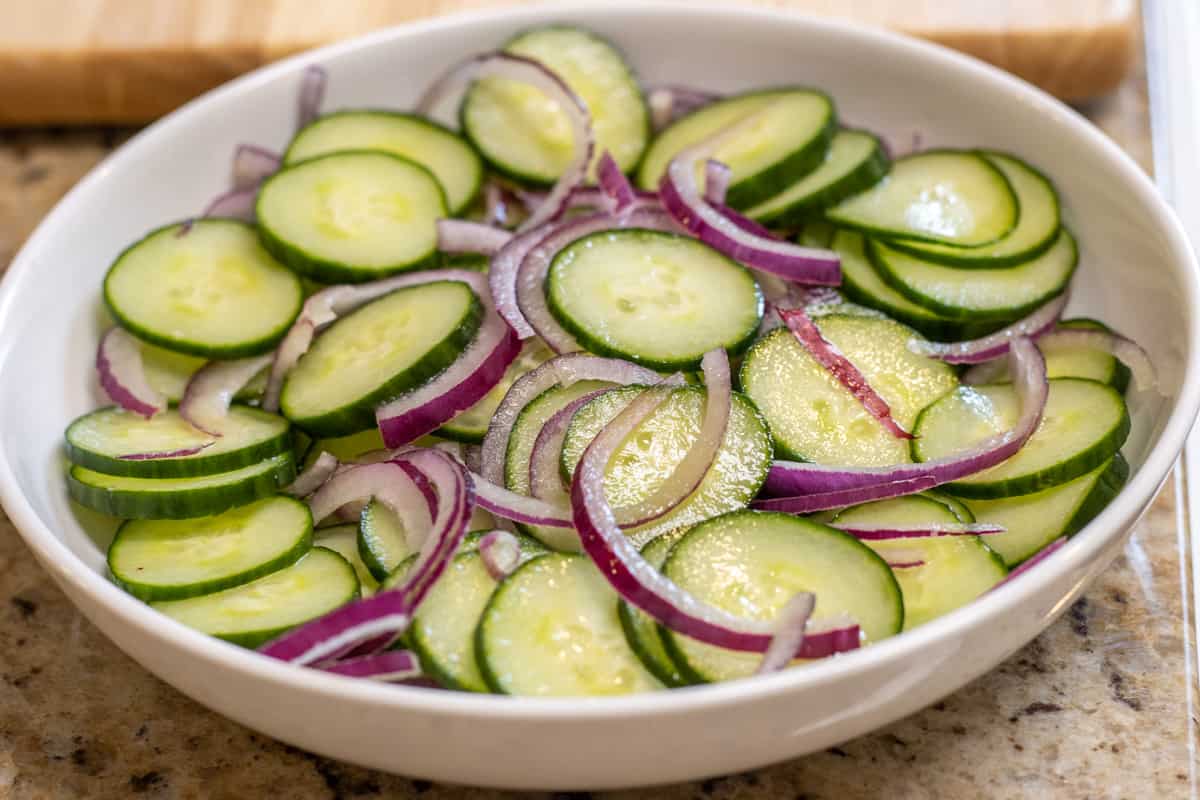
(60, 561)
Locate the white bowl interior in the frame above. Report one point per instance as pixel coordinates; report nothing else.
(1135, 273)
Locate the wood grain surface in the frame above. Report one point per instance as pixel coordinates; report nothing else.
(129, 61)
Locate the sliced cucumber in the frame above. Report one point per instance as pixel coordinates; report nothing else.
(527, 138)
(343, 540)
(1070, 361)
(1033, 234)
(99, 440)
(381, 351)
(346, 448)
(382, 541)
(787, 139)
(551, 629)
(957, 569)
(651, 453)
(258, 611)
(751, 563)
(813, 417)
(1084, 424)
(174, 559)
(856, 161)
(452, 161)
(641, 629)
(205, 287)
(1035, 520)
(658, 299)
(471, 425)
(957, 507)
(351, 216)
(178, 498)
(1005, 293)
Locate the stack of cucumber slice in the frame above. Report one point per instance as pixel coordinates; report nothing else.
(942, 245)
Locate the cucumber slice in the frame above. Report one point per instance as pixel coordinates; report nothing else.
(1033, 234)
(641, 629)
(1067, 361)
(791, 131)
(523, 136)
(347, 448)
(955, 197)
(343, 540)
(173, 559)
(957, 508)
(382, 540)
(179, 498)
(1005, 293)
(651, 453)
(524, 434)
(351, 216)
(1084, 424)
(205, 287)
(551, 629)
(471, 425)
(443, 630)
(381, 351)
(862, 284)
(856, 161)
(751, 563)
(1035, 520)
(99, 439)
(657, 299)
(813, 417)
(257, 612)
(453, 162)
(957, 569)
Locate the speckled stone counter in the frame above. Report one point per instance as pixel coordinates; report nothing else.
(1099, 706)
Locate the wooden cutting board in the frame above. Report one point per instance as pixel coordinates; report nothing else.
(129, 61)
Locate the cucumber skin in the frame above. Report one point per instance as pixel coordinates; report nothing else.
(359, 415)
(965, 261)
(385, 112)
(149, 593)
(324, 270)
(189, 467)
(244, 350)
(810, 207)
(1074, 467)
(180, 505)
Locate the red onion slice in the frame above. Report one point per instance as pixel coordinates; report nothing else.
(123, 376)
(545, 477)
(463, 236)
(518, 507)
(994, 345)
(312, 94)
(669, 103)
(716, 183)
(314, 476)
(501, 553)
(180, 453)
(535, 74)
(809, 485)
(614, 184)
(681, 197)
(234, 204)
(206, 399)
(789, 635)
(644, 586)
(1127, 351)
(252, 165)
(905, 564)
(394, 665)
(495, 199)
(1033, 561)
(384, 481)
(841, 368)
(502, 278)
(879, 534)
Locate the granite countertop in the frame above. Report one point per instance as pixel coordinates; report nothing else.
(1099, 706)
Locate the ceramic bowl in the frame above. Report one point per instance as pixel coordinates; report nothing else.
(1137, 272)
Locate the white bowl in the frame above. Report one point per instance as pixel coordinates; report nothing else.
(1137, 272)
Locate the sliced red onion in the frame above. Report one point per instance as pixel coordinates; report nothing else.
(841, 368)
(812, 484)
(495, 205)
(501, 553)
(905, 564)
(393, 665)
(180, 453)
(682, 198)
(463, 236)
(327, 305)
(994, 345)
(314, 476)
(789, 634)
(876, 534)
(518, 507)
(233, 204)
(502, 278)
(386, 482)
(669, 103)
(643, 586)
(1127, 351)
(253, 164)
(716, 182)
(123, 376)
(614, 184)
(312, 94)
(564, 370)
(211, 389)
(1034, 560)
(535, 74)
(545, 477)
